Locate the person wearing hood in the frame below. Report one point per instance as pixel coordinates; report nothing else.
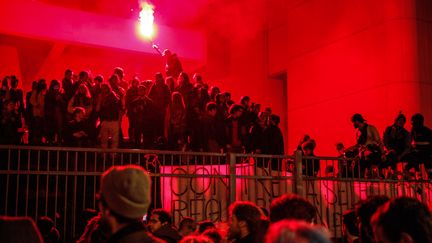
(421, 145)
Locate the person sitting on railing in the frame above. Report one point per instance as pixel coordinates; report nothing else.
(77, 130)
(421, 146)
(310, 166)
(396, 141)
(368, 139)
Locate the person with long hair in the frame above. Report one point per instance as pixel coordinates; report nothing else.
(54, 103)
(82, 98)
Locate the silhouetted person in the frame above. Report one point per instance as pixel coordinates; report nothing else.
(421, 142)
(274, 142)
(369, 144)
(235, 131)
(366, 134)
(161, 96)
(77, 130)
(214, 90)
(185, 88)
(257, 137)
(311, 166)
(210, 135)
(54, 110)
(37, 101)
(177, 122)
(68, 85)
(28, 115)
(173, 66)
(364, 213)
(10, 121)
(131, 94)
(16, 95)
(397, 138)
(122, 82)
(402, 220)
(141, 111)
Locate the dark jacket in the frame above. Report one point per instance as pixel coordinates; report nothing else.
(110, 108)
(397, 139)
(133, 233)
(168, 234)
(273, 140)
(161, 96)
(241, 131)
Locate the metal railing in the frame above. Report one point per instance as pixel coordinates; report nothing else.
(63, 182)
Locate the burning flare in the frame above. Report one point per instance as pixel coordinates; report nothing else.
(146, 20)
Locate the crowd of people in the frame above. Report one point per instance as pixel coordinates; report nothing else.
(123, 216)
(172, 112)
(372, 156)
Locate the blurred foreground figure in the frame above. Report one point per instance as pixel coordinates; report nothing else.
(124, 200)
(18, 230)
(294, 232)
(402, 220)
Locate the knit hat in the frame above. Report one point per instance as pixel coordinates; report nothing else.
(126, 190)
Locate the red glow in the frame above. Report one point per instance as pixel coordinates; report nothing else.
(146, 25)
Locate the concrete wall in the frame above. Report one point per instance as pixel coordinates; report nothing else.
(344, 57)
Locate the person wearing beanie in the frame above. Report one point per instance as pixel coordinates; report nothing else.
(396, 137)
(123, 201)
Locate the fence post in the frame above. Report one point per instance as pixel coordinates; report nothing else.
(299, 185)
(232, 177)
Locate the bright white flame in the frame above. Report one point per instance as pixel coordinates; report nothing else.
(146, 20)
